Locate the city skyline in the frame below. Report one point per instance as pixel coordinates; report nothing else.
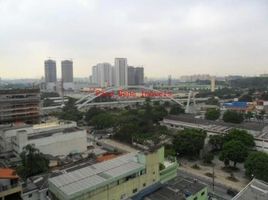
(178, 38)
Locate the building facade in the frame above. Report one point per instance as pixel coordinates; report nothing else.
(67, 74)
(19, 105)
(119, 178)
(50, 75)
(56, 138)
(121, 72)
(10, 188)
(135, 75)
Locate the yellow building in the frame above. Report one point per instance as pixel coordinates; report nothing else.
(115, 179)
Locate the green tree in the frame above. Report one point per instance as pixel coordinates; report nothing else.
(234, 151)
(103, 120)
(240, 135)
(212, 101)
(176, 110)
(91, 113)
(70, 112)
(189, 142)
(33, 162)
(212, 114)
(208, 158)
(216, 142)
(257, 165)
(233, 117)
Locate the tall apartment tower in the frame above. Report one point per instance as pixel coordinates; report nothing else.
(135, 75)
(50, 75)
(212, 84)
(105, 74)
(139, 76)
(94, 74)
(131, 75)
(121, 72)
(67, 74)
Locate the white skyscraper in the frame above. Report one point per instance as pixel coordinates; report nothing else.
(105, 74)
(102, 74)
(121, 72)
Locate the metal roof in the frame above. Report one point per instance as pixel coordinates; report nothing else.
(89, 178)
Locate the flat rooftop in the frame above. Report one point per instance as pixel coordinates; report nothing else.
(256, 189)
(218, 126)
(177, 189)
(89, 178)
(49, 133)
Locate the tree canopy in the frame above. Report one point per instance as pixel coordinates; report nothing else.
(216, 142)
(257, 165)
(189, 142)
(240, 135)
(70, 112)
(212, 114)
(233, 117)
(234, 151)
(33, 162)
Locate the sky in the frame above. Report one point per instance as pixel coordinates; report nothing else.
(176, 37)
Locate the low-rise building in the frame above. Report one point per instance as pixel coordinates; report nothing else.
(258, 130)
(56, 138)
(19, 105)
(255, 190)
(10, 189)
(180, 189)
(119, 178)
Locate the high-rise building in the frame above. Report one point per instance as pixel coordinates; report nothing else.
(135, 75)
(102, 75)
(67, 74)
(105, 74)
(121, 71)
(212, 84)
(113, 76)
(131, 75)
(95, 75)
(50, 74)
(139, 76)
(169, 80)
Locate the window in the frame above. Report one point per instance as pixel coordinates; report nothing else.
(135, 190)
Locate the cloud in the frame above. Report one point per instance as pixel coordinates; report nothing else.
(182, 36)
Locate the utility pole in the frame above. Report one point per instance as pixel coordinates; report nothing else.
(213, 178)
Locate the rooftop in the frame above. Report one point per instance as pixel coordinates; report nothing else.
(256, 189)
(7, 173)
(188, 118)
(177, 189)
(52, 132)
(88, 178)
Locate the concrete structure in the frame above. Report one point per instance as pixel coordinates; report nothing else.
(212, 84)
(131, 75)
(180, 189)
(135, 75)
(57, 138)
(67, 74)
(255, 190)
(121, 71)
(119, 178)
(102, 75)
(50, 75)
(10, 189)
(19, 105)
(258, 130)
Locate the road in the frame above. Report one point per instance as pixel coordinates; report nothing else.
(219, 189)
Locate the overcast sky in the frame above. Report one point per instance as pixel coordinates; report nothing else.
(174, 37)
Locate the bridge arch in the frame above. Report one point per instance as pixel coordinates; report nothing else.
(89, 98)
